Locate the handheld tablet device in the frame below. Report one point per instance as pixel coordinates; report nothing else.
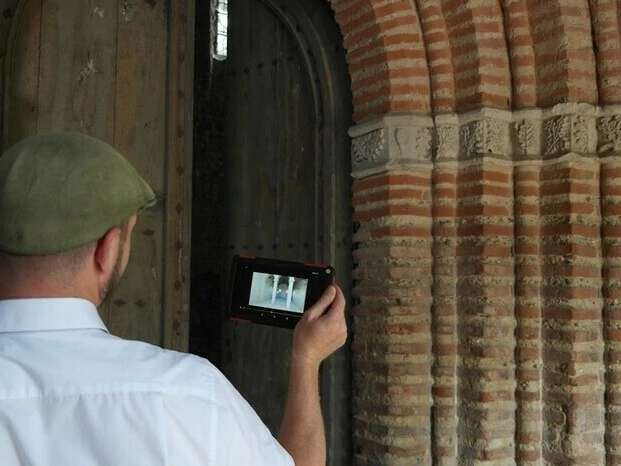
(275, 292)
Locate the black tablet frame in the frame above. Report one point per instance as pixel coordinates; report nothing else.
(319, 277)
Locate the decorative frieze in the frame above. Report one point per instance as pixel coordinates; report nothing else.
(486, 131)
(535, 134)
(391, 142)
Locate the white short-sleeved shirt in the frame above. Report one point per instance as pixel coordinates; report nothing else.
(71, 394)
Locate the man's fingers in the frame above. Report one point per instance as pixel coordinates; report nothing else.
(323, 303)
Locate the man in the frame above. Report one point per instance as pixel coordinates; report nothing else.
(70, 393)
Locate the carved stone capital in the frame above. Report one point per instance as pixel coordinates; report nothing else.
(467, 136)
(514, 136)
(391, 142)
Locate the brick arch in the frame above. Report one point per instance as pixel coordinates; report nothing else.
(606, 23)
(441, 56)
(564, 58)
(428, 56)
(386, 57)
(519, 30)
(473, 38)
(551, 51)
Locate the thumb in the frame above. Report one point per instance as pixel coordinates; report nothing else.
(338, 304)
(317, 309)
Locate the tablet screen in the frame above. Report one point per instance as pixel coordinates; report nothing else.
(282, 292)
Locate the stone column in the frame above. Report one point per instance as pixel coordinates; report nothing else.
(487, 318)
(393, 278)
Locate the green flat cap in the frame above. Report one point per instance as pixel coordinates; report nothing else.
(59, 191)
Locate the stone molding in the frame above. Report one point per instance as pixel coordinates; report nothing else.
(391, 142)
(533, 135)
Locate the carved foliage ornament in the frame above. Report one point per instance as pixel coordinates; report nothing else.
(609, 129)
(580, 134)
(496, 137)
(472, 139)
(525, 137)
(557, 135)
(368, 148)
(486, 136)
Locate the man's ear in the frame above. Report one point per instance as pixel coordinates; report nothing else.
(107, 253)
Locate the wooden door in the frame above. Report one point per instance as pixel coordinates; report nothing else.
(285, 189)
(122, 72)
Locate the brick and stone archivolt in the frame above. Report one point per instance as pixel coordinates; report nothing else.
(487, 199)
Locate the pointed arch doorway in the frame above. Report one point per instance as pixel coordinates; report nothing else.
(272, 179)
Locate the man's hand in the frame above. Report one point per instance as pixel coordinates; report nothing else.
(322, 329)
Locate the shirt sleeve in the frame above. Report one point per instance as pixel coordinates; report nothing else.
(218, 429)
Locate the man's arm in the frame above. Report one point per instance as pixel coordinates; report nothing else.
(321, 331)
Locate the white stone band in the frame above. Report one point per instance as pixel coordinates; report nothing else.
(417, 141)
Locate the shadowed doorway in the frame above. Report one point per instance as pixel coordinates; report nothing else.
(271, 179)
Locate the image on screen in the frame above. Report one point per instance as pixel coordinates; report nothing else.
(280, 292)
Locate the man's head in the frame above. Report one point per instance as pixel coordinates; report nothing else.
(90, 271)
(68, 205)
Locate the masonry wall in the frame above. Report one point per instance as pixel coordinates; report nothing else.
(487, 196)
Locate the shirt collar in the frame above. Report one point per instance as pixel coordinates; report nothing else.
(36, 315)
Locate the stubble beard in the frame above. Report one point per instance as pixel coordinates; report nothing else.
(115, 278)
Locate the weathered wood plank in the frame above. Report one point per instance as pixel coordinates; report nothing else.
(121, 71)
(9, 10)
(21, 96)
(178, 175)
(9, 16)
(78, 55)
(140, 133)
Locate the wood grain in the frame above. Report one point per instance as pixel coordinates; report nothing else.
(122, 72)
(178, 176)
(139, 133)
